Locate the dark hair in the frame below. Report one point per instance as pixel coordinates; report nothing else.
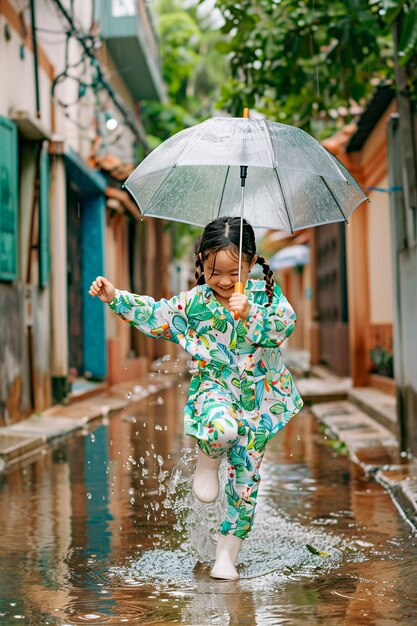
(224, 234)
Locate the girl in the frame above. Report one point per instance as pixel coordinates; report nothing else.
(242, 394)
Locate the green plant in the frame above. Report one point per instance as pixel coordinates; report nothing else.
(383, 361)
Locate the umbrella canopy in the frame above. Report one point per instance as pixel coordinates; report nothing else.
(291, 256)
(292, 181)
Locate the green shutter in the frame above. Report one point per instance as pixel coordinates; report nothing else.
(44, 220)
(8, 200)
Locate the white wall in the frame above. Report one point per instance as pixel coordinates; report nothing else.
(77, 123)
(379, 259)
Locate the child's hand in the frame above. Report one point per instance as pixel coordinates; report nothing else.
(239, 303)
(102, 288)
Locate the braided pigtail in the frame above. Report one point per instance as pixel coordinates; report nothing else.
(268, 278)
(199, 268)
(199, 273)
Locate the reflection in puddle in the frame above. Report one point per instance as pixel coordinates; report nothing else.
(105, 530)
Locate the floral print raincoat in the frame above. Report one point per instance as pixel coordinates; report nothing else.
(240, 360)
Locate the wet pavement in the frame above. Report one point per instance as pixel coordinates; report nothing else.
(99, 529)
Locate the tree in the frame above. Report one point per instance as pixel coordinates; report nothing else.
(193, 70)
(308, 62)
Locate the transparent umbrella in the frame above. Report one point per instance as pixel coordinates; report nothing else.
(275, 175)
(292, 181)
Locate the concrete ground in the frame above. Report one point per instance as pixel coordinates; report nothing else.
(360, 422)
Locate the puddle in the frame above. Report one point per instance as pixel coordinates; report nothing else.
(105, 530)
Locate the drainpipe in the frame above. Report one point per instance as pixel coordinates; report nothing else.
(398, 217)
(35, 58)
(58, 287)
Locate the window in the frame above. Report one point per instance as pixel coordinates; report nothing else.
(8, 200)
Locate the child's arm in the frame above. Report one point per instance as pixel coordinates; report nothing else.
(269, 326)
(164, 319)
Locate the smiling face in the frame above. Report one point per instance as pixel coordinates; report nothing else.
(221, 271)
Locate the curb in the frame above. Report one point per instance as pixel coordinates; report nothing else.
(29, 437)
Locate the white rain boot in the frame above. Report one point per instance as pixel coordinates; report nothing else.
(206, 478)
(227, 551)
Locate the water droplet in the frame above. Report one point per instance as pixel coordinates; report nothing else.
(129, 395)
(166, 357)
(160, 459)
(132, 500)
(89, 496)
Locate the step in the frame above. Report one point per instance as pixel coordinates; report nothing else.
(14, 446)
(375, 448)
(45, 427)
(369, 443)
(380, 405)
(323, 389)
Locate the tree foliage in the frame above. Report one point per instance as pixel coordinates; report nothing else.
(193, 70)
(307, 62)
(192, 66)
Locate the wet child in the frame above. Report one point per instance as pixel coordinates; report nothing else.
(242, 394)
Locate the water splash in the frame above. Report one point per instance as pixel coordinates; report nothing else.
(198, 521)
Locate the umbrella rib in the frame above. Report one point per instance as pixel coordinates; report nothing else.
(270, 144)
(335, 199)
(222, 194)
(283, 197)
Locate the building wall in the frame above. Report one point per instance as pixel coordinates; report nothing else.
(16, 70)
(380, 256)
(369, 250)
(34, 329)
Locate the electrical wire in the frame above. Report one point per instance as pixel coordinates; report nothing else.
(87, 43)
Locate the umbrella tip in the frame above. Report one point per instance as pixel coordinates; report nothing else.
(246, 112)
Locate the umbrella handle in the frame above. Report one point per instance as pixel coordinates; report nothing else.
(239, 288)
